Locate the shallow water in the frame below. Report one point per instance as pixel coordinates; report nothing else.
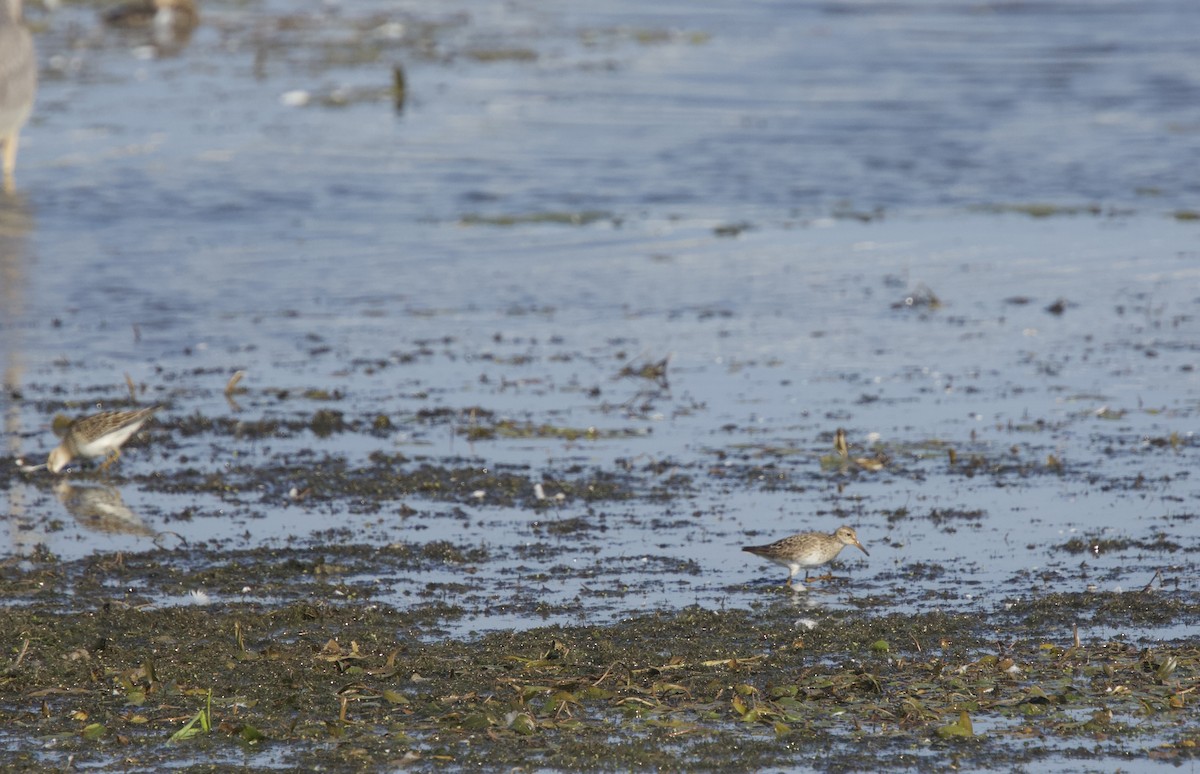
(177, 221)
(759, 376)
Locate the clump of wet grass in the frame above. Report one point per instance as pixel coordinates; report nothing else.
(326, 422)
(1112, 609)
(502, 54)
(569, 218)
(654, 371)
(1011, 465)
(508, 428)
(732, 229)
(643, 35)
(1041, 209)
(942, 516)
(1099, 544)
(923, 571)
(323, 423)
(920, 297)
(385, 479)
(444, 414)
(566, 526)
(261, 573)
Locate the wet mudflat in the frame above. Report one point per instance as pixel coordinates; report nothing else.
(527, 361)
(345, 686)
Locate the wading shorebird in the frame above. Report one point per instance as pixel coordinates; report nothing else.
(100, 435)
(18, 84)
(170, 22)
(808, 549)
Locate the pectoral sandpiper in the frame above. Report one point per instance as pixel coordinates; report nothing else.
(808, 549)
(170, 22)
(100, 435)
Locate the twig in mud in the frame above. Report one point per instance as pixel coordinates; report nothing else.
(1150, 586)
(231, 389)
(653, 371)
(168, 533)
(231, 386)
(611, 667)
(20, 657)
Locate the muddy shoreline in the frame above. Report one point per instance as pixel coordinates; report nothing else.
(339, 683)
(309, 578)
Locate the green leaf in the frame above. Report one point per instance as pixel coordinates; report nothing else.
(93, 731)
(476, 721)
(529, 691)
(203, 719)
(188, 731)
(961, 728)
(251, 734)
(524, 724)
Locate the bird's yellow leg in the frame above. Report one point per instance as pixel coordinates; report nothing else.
(109, 460)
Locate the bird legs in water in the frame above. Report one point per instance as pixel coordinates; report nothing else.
(109, 460)
(8, 160)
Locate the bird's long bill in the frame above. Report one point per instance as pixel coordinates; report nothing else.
(860, 546)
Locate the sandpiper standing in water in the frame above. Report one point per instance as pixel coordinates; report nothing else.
(169, 22)
(808, 549)
(100, 435)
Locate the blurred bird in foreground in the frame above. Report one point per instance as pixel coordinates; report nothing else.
(18, 84)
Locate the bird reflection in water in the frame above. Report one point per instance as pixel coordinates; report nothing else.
(101, 509)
